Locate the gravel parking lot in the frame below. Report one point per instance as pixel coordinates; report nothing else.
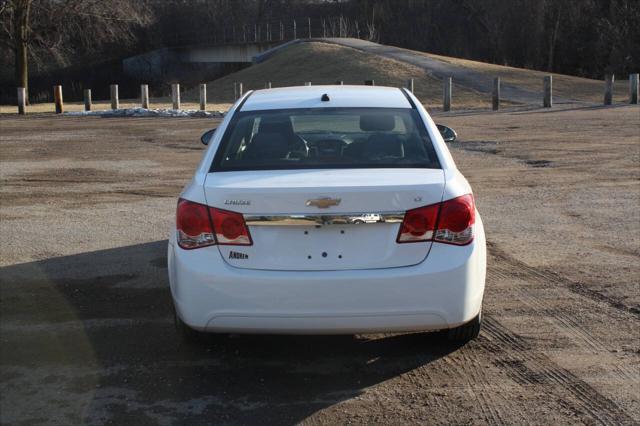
(86, 330)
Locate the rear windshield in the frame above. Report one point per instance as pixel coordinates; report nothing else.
(325, 138)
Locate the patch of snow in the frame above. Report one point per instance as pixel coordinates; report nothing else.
(143, 112)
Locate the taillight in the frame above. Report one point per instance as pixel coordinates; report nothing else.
(455, 224)
(418, 224)
(230, 228)
(193, 225)
(448, 222)
(199, 225)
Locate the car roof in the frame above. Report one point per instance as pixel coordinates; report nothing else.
(339, 97)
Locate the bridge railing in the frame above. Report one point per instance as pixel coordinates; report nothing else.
(273, 31)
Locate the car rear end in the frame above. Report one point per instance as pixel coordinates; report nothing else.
(270, 235)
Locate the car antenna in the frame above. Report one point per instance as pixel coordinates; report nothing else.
(325, 98)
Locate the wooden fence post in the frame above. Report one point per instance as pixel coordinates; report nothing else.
(267, 85)
(308, 83)
(340, 83)
(235, 91)
(446, 104)
(369, 82)
(203, 97)
(634, 88)
(240, 92)
(608, 89)
(22, 100)
(295, 30)
(144, 96)
(57, 97)
(115, 103)
(175, 95)
(309, 21)
(547, 100)
(496, 94)
(87, 99)
(410, 85)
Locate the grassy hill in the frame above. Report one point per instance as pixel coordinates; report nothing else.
(565, 86)
(324, 63)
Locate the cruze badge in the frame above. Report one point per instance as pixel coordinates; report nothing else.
(237, 202)
(323, 203)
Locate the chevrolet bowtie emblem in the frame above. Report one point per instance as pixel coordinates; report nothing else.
(323, 203)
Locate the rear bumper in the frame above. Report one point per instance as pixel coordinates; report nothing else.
(442, 292)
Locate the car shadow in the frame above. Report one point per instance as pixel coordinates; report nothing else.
(95, 331)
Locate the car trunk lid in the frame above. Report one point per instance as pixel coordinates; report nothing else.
(339, 219)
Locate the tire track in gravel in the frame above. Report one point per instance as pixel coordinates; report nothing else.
(425, 378)
(509, 268)
(529, 367)
(490, 403)
(553, 280)
(459, 369)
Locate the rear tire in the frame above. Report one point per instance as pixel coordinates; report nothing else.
(466, 332)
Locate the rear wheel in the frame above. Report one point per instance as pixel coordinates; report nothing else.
(466, 332)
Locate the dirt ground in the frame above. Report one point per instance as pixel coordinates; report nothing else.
(86, 330)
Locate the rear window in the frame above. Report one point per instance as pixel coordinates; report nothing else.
(325, 138)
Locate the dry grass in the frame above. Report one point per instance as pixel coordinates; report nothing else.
(564, 86)
(324, 63)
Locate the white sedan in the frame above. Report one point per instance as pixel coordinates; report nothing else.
(265, 239)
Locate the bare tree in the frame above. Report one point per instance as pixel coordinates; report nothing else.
(15, 27)
(21, 29)
(554, 35)
(581, 37)
(46, 33)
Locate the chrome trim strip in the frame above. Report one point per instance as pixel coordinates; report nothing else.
(325, 219)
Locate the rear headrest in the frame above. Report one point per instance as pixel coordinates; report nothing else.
(384, 145)
(377, 122)
(276, 124)
(270, 146)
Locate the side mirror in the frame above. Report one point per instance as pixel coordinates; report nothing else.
(206, 136)
(448, 134)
